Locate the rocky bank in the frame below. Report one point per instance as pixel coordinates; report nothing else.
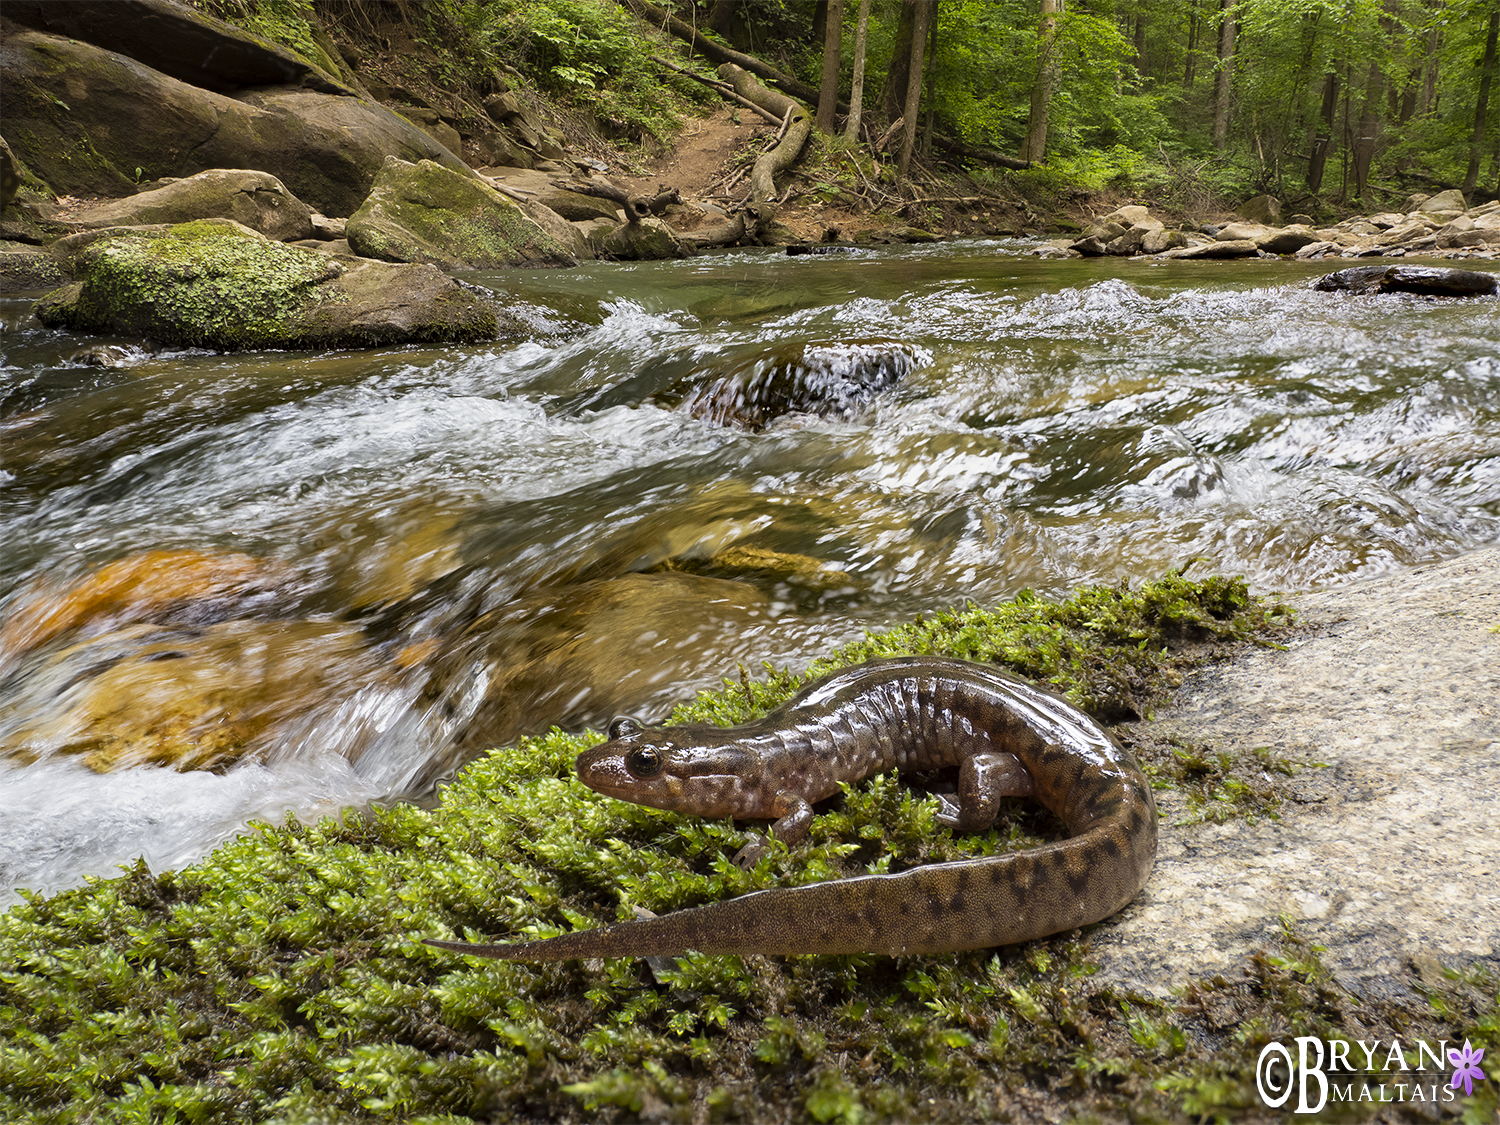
(1442, 225)
(1387, 853)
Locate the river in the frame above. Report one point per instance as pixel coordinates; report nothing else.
(233, 586)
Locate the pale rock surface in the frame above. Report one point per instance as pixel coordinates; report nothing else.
(1389, 851)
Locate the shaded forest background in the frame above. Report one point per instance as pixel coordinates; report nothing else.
(1354, 103)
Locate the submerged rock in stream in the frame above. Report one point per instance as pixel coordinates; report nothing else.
(823, 380)
(588, 652)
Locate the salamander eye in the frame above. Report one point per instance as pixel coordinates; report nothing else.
(644, 762)
(623, 727)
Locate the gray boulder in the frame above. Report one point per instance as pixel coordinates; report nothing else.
(1287, 240)
(216, 284)
(175, 39)
(93, 122)
(257, 200)
(424, 212)
(571, 238)
(1236, 248)
(1264, 209)
(1234, 232)
(648, 240)
(1450, 200)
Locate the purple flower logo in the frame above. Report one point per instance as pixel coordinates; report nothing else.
(1466, 1064)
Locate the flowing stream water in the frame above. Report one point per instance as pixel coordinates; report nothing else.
(233, 586)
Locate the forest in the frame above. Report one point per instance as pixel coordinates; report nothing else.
(1346, 102)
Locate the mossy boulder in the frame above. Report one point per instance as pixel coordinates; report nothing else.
(176, 39)
(10, 175)
(217, 284)
(257, 200)
(649, 240)
(424, 212)
(27, 267)
(89, 121)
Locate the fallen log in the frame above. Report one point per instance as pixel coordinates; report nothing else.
(724, 89)
(784, 154)
(978, 152)
(718, 53)
(637, 207)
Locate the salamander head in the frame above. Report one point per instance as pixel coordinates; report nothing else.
(687, 769)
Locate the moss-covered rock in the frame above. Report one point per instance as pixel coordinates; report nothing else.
(254, 199)
(179, 40)
(649, 240)
(217, 284)
(424, 212)
(24, 268)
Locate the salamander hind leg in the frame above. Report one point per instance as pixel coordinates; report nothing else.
(982, 780)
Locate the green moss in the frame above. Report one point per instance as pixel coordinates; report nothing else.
(205, 284)
(424, 212)
(214, 284)
(282, 978)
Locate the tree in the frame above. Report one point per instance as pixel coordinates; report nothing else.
(828, 93)
(921, 21)
(1317, 162)
(1046, 81)
(1482, 102)
(1228, 27)
(893, 93)
(857, 88)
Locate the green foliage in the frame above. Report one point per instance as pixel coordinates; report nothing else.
(588, 51)
(281, 21)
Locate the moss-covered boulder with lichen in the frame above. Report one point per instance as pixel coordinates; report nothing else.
(217, 284)
(424, 212)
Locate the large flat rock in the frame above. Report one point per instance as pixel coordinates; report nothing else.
(1391, 851)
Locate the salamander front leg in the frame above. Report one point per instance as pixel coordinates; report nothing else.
(790, 828)
(982, 780)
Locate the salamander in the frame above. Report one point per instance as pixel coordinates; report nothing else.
(1006, 736)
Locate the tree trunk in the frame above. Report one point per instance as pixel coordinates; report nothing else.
(1228, 29)
(1367, 133)
(778, 159)
(828, 93)
(1318, 162)
(857, 89)
(1430, 76)
(1190, 66)
(1046, 82)
(721, 19)
(893, 96)
(931, 96)
(1482, 104)
(923, 18)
